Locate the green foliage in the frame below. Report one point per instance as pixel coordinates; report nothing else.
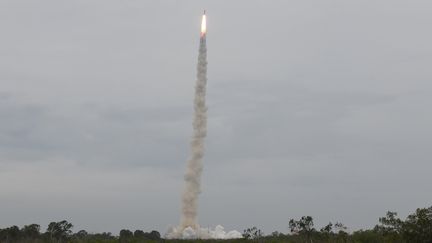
(31, 231)
(59, 231)
(126, 235)
(139, 234)
(327, 229)
(416, 228)
(10, 234)
(367, 236)
(252, 233)
(82, 234)
(303, 227)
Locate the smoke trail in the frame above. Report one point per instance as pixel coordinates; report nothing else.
(189, 228)
(194, 165)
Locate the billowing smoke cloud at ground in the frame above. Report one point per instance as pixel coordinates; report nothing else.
(189, 227)
(202, 233)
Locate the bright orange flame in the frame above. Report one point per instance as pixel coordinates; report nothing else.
(203, 25)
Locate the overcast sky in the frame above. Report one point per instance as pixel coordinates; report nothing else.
(318, 108)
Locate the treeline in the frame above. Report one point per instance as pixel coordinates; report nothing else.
(416, 228)
(61, 232)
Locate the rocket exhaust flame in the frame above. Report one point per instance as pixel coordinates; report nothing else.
(203, 25)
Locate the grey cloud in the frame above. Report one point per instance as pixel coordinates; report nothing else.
(97, 136)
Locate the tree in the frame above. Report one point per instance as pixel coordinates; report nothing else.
(252, 233)
(369, 236)
(341, 231)
(139, 234)
(304, 227)
(10, 234)
(59, 230)
(390, 227)
(327, 229)
(293, 226)
(31, 231)
(418, 226)
(81, 234)
(340, 227)
(125, 235)
(101, 237)
(154, 235)
(276, 234)
(390, 223)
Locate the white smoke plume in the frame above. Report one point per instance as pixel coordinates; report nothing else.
(189, 227)
(194, 168)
